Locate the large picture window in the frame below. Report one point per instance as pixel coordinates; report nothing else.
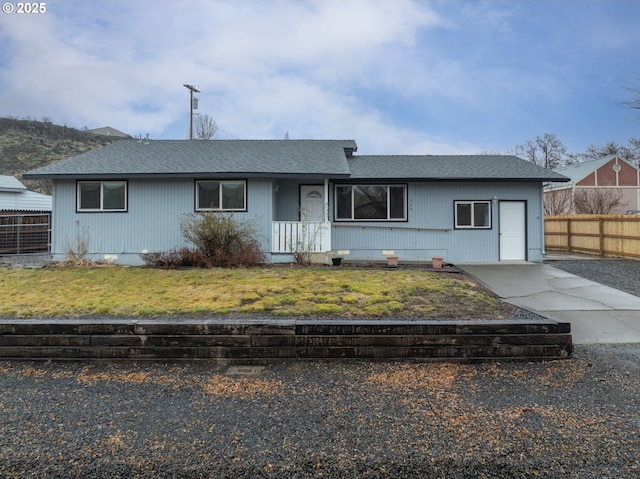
(473, 214)
(228, 195)
(102, 196)
(371, 202)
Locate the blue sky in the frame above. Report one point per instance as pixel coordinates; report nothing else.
(398, 76)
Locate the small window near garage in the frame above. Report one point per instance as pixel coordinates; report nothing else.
(371, 202)
(473, 214)
(102, 196)
(228, 195)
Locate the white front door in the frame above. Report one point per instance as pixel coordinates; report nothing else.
(312, 203)
(512, 231)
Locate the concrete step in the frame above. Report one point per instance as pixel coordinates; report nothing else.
(264, 341)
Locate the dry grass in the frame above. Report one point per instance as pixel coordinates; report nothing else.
(134, 292)
(243, 388)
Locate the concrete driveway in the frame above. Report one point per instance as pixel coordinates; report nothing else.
(597, 313)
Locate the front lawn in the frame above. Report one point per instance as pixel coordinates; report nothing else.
(268, 291)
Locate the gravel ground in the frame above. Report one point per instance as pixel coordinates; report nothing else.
(37, 260)
(622, 274)
(577, 418)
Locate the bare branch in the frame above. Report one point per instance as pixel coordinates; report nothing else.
(546, 151)
(635, 96)
(205, 127)
(597, 201)
(557, 202)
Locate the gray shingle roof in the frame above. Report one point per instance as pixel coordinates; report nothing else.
(133, 158)
(450, 167)
(273, 158)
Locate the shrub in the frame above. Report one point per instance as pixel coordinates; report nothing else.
(598, 201)
(224, 240)
(184, 257)
(219, 239)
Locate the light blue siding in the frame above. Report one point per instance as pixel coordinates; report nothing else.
(156, 206)
(430, 230)
(151, 223)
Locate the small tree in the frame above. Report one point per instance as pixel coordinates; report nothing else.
(224, 240)
(597, 201)
(204, 127)
(557, 202)
(629, 152)
(546, 151)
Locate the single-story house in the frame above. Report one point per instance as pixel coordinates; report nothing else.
(608, 174)
(313, 196)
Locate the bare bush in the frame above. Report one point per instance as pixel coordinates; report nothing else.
(78, 247)
(178, 258)
(224, 240)
(597, 201)
(557, 202)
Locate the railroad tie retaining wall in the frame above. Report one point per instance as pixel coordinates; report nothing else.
(260, 342)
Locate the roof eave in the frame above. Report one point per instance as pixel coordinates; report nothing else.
(453, 179)
(205, 174)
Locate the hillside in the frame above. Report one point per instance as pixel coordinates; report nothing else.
(29, 144)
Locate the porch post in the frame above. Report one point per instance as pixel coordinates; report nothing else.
(325, 214)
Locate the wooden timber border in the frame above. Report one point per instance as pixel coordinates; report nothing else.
(604, 235)
(271, 341)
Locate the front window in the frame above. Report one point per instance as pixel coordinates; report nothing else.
(371, 202)
(473, 214)
(228, 195)
(102, 196)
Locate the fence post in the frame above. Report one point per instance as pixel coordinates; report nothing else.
(18, 232)
(49, 245)
(569, 234)
(601, 235)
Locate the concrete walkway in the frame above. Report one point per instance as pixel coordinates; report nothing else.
(597, 313)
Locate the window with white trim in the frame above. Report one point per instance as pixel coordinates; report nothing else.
(223, 195)
(473, 214)
(102, 196)
(371, 202)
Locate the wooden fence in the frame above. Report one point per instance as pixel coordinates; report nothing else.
(604, 235)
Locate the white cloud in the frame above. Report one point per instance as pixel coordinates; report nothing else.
(394, 75)
(275, 63)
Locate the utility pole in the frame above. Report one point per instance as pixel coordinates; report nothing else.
(191, 89)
